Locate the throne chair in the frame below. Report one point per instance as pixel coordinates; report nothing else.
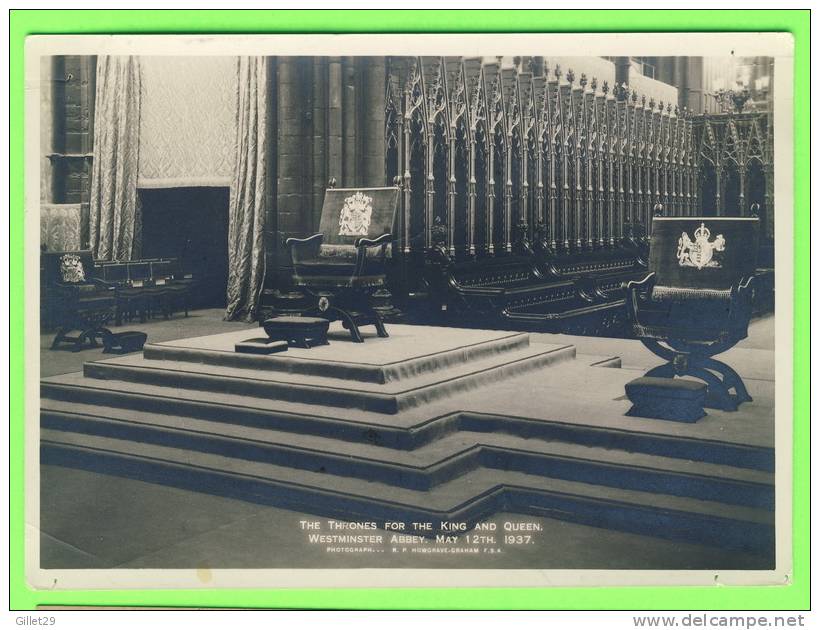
(341, 267)
(696, 301)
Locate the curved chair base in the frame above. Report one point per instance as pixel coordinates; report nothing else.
(697, 361)
(353, 309)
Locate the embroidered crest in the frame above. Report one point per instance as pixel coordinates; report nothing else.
(354, 219)
(71, 268)
(700, 252)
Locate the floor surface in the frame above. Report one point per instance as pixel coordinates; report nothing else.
(102, 521)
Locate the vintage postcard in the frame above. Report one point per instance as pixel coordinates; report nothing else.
(382, 310)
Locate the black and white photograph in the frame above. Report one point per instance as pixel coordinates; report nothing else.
(394, 310)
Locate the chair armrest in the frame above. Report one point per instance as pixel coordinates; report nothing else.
(742, 299)
(304, 248)
(384, 239)
(632, 289)
(298, 242)
(363, 244)
(103, 284)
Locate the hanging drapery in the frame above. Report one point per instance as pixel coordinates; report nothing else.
(114, 218)
(246, 213)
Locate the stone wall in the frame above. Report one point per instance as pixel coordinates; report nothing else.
(328, 123)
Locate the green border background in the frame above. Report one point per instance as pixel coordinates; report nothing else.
(29, 22)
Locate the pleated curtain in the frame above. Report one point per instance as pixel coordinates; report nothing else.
(246, 213)
(114, 220)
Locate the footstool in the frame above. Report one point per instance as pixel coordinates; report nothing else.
(123, 342)
(299, 332)
(677, 399)
(260, 345)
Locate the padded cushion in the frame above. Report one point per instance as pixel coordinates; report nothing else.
(349, 252)
(676, 399)
(668, 387)
(296, 320)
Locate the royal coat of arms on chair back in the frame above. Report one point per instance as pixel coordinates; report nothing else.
(349, 214)
(710, 253)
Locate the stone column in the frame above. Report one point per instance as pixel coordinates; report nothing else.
(350, 113)
(372, 133)
(621, 70)
(46, 128)
(319, 177)
(293, 150)
(334, 119)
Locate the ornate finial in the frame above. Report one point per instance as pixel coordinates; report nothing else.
(643, 101)
(605, 88)
(634, 97)
(570, 76)
(677, 111)
(332, 183)
(593, 84)
(660, 106)
(557, 72)
(583, 81)
(669, 108)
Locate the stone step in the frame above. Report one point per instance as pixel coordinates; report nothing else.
(382, 368)
(75, 394)
(469, 498)
(428, 465)
(389, 398)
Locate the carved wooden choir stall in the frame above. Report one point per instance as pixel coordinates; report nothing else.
(524, 198)
(527, 197)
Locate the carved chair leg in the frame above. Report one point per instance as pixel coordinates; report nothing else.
(80, 341)
(349, 323)
(58, 339)
(667, 370)
(379, 324)
(718, 396)
(731, 378)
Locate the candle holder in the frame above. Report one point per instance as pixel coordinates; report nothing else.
(726, 99)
